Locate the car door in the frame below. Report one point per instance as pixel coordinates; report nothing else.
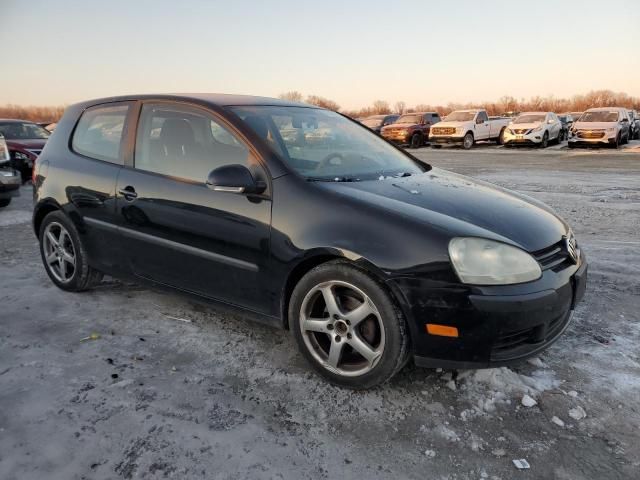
(482, 126)
(554, 126)
(94, 163)
(179, 232)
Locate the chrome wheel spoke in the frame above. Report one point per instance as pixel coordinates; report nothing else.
(363, 348)
(330, 301)
(315, 325)
(335, 353)
(52, 239)
(52, 258)
(69, 258)
(359, 313)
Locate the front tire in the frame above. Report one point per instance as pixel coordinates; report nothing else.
(347, 326)
(63, 255)
(416, 140)
(467, 142)
(4, 202)
(500, 139)
(545, 140)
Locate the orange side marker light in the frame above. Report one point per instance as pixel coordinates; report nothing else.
(442, 330)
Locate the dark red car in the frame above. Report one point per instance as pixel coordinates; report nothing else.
(411, 128)
(25, 141)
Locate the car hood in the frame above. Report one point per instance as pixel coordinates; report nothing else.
(34, 143)
(462, 206)
(451, 124)
(594, 125)
(524, 126)
(399, 126)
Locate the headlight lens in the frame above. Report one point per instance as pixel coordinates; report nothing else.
(538, 129)
(478, 261)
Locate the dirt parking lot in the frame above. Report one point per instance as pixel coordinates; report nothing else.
(174, 389)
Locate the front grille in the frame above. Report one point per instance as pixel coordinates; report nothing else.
(443, 130)
(521, 131)
(591, 134)
(556, 257)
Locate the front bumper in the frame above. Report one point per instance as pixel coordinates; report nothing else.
(445, 140)
(497, 325)
(400, 138)
(607, 139)
(533, 138)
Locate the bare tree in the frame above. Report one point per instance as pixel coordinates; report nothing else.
(323, 102)
(293, 96)
(380, 107)
(400, 107)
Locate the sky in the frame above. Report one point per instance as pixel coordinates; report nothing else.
(354, 52)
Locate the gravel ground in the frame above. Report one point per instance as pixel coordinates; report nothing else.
(175, 389)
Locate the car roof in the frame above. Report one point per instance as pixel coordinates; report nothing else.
(218, 99)
(603, 109)
(534, 113)
(14, 120)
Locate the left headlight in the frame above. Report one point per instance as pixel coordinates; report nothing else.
(479, 261)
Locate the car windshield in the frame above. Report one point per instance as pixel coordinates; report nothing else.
(322, 145)
(23, 131)
(601, 116)
(408, 119)
(460, 116)
(373, 121)
(530, 119)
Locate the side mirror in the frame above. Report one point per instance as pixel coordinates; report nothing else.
(234, 179)
(479, 121)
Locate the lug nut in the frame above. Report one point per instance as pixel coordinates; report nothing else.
(349, 336)
(338, 338)
(348, 322)
(330, 326)
(336, 316)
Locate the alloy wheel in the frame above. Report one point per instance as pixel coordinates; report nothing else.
(342, 328)
(468, 141)
(59, 252)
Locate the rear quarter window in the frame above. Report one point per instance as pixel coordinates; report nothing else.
(99, 131)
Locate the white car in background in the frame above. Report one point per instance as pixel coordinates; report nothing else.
(534, 128)
(466, 127)
(601, 126)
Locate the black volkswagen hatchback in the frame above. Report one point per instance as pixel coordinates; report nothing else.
(311, 221)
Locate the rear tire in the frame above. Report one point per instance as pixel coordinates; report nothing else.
(336, 312)
(468, 141)
(63, 255)
(4, 202)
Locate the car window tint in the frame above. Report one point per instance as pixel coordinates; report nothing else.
(185, 142)
(483, 116)
(99, 132)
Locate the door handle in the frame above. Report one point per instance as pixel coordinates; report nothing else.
(129, 193)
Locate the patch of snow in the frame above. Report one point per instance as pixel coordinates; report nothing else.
(527, 401)
(557, 421)
(429, 453)
(572, 393)
(14, 218)
(577, 413)
(521, 464)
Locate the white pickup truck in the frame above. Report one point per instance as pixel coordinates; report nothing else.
(465, 127)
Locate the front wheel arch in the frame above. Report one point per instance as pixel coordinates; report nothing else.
(43, 209)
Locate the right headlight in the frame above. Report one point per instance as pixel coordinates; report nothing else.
(479, 261)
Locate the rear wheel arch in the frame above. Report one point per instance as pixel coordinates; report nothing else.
(42, 210)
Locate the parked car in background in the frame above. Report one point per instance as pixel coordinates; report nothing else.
(634, 125)
(9, 177)
(575, 115)
(376, 122)
(465, 127)
(411, 128)
(567, 122)
(601, 126)
(219, 205)
(534, 128)
(25, 141)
